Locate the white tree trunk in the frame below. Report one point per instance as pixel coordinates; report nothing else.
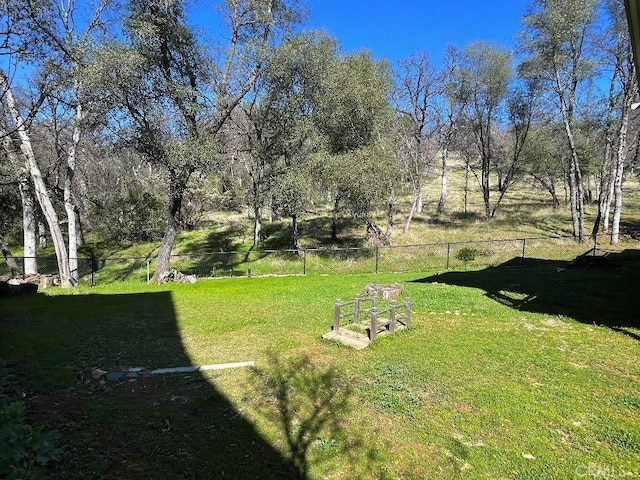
(68, 200)
(621, 157)
(28, 207)
(419, 201)
(257, 225)
(414, 205)
(617, 194)
(39, 186)
(443, 182)
(28, 227)
(607, 209)
(631, 92)
(42, 235)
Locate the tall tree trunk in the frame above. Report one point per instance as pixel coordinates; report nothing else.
(485, 187)
(466, 187)
(617, 195)
(390, 219)
(42, 235)
(604, 200)
(29, 255)
(177, 187)
(576, 193)
(11, 261)
(576, 200)
(443, 181)
(69, 206)
(334, 220)
(554, 197)
(606, 214)
(603, 185)
(28, 226)
(257, 225)
(295, 235)
(630, 93)
(414, 206)
(419, 199)
(621, 156)
(39, 186)
(79, 229)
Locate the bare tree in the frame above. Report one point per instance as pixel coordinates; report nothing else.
(418, 86)
(485, 71)
(20, 127)
(46, 40)
(556, 37)
(451, 106)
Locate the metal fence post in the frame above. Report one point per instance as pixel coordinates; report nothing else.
(377, 257)
(448, 254)
(356, 310)
(524, 250)
(148, 272)
(304, 262)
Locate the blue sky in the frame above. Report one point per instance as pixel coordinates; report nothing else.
(394, 29)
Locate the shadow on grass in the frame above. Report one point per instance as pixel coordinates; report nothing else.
(596, 290)
(161, 426)
(351, 232)
(310, 405)
(630, 229)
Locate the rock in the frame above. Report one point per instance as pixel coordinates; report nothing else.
(387, 292)
(96, 373)
(176, 276)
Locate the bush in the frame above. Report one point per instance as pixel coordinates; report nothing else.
(138, 216)
(24, 449)
(467, 254)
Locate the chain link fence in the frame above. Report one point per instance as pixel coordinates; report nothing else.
(321, 261)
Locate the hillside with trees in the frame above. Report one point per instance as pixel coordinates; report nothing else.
(121, 122)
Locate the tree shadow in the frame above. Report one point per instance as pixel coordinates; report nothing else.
(138, 426)
(351, 231)
(600, 290)
(310, 404)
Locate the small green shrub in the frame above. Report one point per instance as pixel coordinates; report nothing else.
(467, 254)
(24, 449)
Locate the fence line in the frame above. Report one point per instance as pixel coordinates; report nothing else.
(371, 259)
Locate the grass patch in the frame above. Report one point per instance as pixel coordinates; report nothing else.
(503, 375)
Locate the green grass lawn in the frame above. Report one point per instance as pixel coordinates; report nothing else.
(506, 373)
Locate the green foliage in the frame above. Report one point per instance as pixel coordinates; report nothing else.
(25, 450)
(467, 254)
(485, 73)
(356, 107)
(364, 178)
(136, 216)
